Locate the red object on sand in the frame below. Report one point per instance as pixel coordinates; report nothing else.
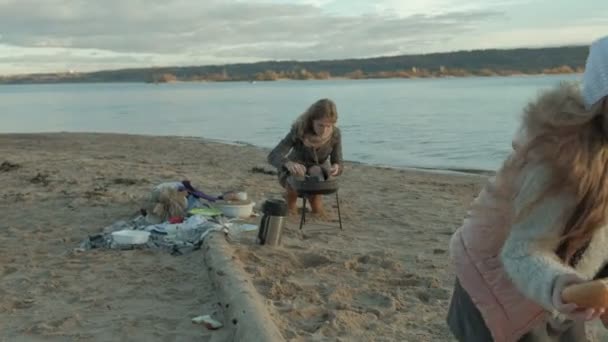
(176, 219)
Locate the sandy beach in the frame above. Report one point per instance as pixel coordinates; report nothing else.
(385, 277)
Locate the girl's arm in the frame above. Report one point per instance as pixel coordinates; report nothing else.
(278, 156)
(529, 253)
(336, 153)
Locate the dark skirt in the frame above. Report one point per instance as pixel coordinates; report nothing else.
(467, 324)
(465, 320)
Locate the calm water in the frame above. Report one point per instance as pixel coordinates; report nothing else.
(463, 123)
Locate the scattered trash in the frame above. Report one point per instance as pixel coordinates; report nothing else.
(208, 321)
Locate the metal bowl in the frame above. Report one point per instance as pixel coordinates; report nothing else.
(313, 186)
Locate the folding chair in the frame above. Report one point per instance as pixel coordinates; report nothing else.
(305, 194)
(311, 186)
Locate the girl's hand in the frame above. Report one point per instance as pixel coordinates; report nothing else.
(296, 169)
(335, 170)
(572, 310)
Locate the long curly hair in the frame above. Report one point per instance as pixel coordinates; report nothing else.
(321, 109)
(573, 142)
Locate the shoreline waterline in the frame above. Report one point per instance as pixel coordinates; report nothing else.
(443, 170)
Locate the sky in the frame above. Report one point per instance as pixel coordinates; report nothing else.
(85, 35)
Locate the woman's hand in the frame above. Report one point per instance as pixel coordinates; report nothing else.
(572, 310)
(335, 170)
(296, 169)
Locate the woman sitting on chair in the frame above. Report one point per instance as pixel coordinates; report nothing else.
(313, 147)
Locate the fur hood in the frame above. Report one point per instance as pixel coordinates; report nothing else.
(559, 107)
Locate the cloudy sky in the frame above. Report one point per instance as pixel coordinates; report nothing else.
(84, 35)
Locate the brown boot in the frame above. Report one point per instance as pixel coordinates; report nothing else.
(291, 197)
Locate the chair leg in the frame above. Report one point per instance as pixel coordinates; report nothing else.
(303, 219)
(338, 205)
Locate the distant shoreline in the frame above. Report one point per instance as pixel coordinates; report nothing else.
(574, 72)
(476, 63)
(338, 78)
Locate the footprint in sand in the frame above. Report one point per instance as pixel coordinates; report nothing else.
(278, 290)
(432, 294)
(414, 280)
(309, 260)
(246, 255)
(423, 296)
(8, 270)
(374, 302)
(290, 246)
(55, 327)
(285, 289)
(313, 318)
(362, 263)
(282, 306)
(320, 236)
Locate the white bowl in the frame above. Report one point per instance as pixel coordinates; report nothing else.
(241, 196)
(236, 210)
(130, 237)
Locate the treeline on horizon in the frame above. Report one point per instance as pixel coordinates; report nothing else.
(558, 60)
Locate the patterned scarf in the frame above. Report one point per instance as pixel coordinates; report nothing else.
(316, 141)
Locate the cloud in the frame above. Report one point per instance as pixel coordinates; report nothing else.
(361, 37)
(90, 34)
(68, 57)
(536, 37)
(28, 60)
(235, 29)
